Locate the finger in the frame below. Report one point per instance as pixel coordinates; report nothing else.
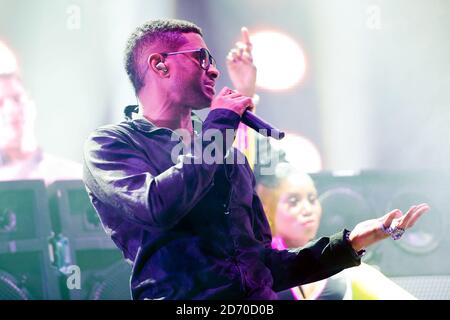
(410, 215)
(243, 48)
(242, 98)
(389, 217)
(232, 54)
(234, 95)
(234, 51)
(247, 58)
(240, 45)
(402, 221)
(245, 100)
(405, 221)
(224, 91)
(230, 58)
(235, 54)
(246, 39)
(417, 214)
(245, 36)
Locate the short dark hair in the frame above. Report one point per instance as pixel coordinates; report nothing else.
(164, 32)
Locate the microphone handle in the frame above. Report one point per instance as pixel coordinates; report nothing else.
(259, 125)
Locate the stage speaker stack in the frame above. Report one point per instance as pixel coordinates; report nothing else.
(25, 268)
(82, 242)
(420, 260)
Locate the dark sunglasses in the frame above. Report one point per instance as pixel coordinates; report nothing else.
(203, 56)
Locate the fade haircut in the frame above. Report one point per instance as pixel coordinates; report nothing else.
(167, 33)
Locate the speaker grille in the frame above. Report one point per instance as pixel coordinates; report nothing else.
(114, 284)
(426, 287)
(342, 208)
(9, 290)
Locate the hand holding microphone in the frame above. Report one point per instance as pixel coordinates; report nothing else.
(240, 104)
(232, 100)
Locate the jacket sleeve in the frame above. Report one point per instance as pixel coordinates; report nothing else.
(317, 260)
(120, 175)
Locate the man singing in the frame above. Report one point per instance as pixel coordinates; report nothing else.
(195, 229)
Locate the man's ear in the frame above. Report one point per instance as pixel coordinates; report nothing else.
(156, 63)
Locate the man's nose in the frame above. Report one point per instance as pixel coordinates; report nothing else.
(213, 72)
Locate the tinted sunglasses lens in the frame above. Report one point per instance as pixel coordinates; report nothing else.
(212, 60)
(204, 58)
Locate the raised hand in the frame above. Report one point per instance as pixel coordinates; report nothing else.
(240, 66)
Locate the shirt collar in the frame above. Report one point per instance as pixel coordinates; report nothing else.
(141, 123)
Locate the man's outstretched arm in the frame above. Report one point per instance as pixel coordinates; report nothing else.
(326, 256)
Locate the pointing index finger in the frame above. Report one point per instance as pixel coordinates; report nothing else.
(245, 36)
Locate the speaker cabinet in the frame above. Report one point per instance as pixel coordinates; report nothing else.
(344, 201)
(25, 267)
(104, 272)
(423, 250)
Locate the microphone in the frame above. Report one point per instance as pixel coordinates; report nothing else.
(259, 125)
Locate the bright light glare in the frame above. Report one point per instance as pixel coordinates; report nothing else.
(300, 152)
(279, 59)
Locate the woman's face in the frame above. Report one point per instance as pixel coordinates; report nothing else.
(298, 212)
